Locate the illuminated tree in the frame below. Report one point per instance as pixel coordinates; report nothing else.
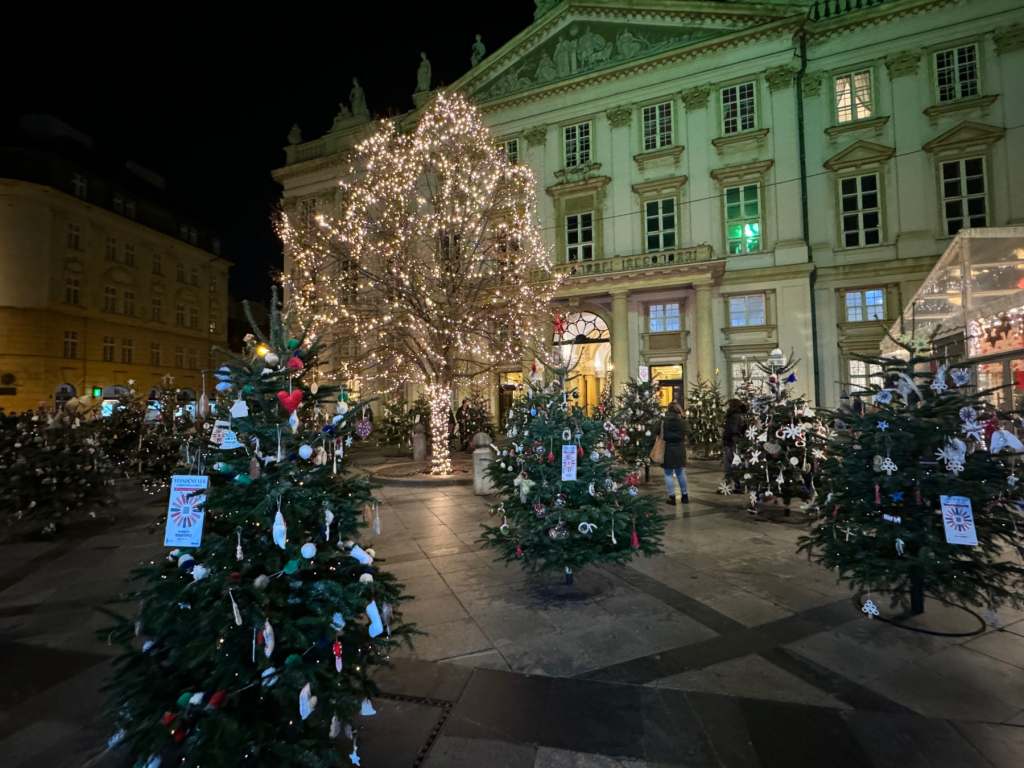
(434, 263)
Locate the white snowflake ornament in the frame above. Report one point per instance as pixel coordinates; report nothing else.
(870, 609)
(725, 488)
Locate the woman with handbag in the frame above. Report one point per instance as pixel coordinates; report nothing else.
(673, 435)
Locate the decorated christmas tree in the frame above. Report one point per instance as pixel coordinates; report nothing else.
(257, 636)
(919, 493)
(52, 470)
(565, 502)
(705, 413)
(119, 430)
(640, 415)
(167, 430)
(779, 454)
(476, 417)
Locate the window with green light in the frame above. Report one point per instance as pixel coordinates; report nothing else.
(743, 219)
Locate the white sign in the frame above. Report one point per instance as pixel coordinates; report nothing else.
(229, 440)
(644, 374)
(958, 518)
(569, 461)
(219, 428)
(186, 510)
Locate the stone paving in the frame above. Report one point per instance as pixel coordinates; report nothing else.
(727, 650)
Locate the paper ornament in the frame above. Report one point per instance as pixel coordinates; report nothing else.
(376, 625)
(280, 530)
(307, 702)
(239, 409)
(268, 638)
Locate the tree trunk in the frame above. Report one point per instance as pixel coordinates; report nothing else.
(440, 403)
(916, 594)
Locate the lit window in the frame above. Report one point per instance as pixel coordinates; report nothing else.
(861, 220)
(963, 194)
(738, 108)
(743, 219)
(579, 236)
(577, 144)
(660, 224)
(127, 350)
(662, 318)
(128, 305)
(110, 299)
(74, 237)
(860, 374)
(129, 254)
(154, 354)
(853, 96)
(956, 72)
(70, 344)
(157, 309)
(111, 249)
(108, 349)
(512, 151)
(866, 305)
(71, 290)
(657, 120)
(179, 357)
(80, 185)
(746, 310)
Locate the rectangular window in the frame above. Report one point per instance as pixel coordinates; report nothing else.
(80, 185)
(657, 120)
(860, 217)
(193, 317)
(181, 272)
(129, 254)
(512, 151)
(963, 194)
(865, 305)
(193, 277)
(111, 249)
(74, 237)
(747, 310)
(108, 349)
(853, 96)
(70, 344)
(193, 358)
(179, 314)
(662, 318)
(743, 219)
(154, 354)
(110, 299)
(157, 309)
(127, 350)
(956, 73)
(71, 290)
(128, 304)
(179, 357)
(860, 374)
(579, 236)
(738, 108)
(660, 224)
(577, 144)
(158, 268)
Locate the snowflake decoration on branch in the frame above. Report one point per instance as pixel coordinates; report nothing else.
(884, 397)
(888, 466)
(883, 425)
(751, 433)
(790, 432)
(973, 430)
(725, 488)
(961, 377)
(939, 382)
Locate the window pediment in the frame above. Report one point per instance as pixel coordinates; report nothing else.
(740, 172)
(968, 136)
(859, 154)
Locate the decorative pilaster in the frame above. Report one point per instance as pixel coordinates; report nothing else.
(811, 85)
(779, 78)
(696, 97)
(537, 137)
(620, 338)
(902, 64)
(705, 333)
(619, 117)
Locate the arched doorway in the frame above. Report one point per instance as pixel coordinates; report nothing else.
(585, 346)
(62, 394)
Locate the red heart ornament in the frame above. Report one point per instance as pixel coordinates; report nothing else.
(290, 401)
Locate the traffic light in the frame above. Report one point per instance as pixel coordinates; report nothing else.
(97, 391)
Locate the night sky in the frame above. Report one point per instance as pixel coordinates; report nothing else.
(207, 101)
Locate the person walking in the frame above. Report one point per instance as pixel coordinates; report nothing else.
(673, 432)
(732, 430)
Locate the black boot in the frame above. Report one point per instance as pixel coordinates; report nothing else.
(671, 500)
(686, 498)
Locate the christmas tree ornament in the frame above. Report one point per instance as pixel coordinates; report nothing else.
(239, 409)
(308, 550)
(290, 401)
(376, 624)
(268, 638)
(870, 609)
(961, 377)
(271, 359)
(234, 609)
(280, 529)
(337, 651)
(295, 364)
(305, 452)
(307, 702)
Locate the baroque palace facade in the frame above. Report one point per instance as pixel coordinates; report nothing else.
(103, 280)
(718, 179)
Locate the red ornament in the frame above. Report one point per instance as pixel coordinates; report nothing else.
(290, 401)
(878, 495)
(259, 637)
(551, 457)
(179, 734)
(634, 539)
(167, 719)
(579, 449)
(295, 364)
(632, 479)
(560, 324)
(519, 551)
(235, 576)
(217, 699)
(990, 427)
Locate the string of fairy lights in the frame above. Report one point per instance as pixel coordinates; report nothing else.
(434, 265)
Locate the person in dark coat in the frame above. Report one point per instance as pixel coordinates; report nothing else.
(673, 432)
(732, 431)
